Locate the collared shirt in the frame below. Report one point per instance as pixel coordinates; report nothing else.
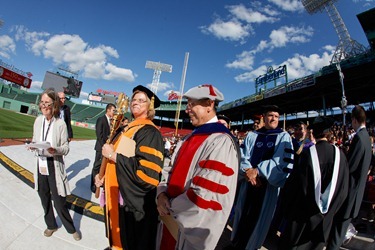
(214, 119)
(62, 114)
(108, 119)
(361, 127)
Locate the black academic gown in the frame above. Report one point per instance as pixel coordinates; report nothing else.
(306, 227)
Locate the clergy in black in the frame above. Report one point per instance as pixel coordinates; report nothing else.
(314, 193)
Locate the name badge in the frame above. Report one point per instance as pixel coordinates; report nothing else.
(43, 167)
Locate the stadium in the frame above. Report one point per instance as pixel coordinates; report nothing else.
(348, 80)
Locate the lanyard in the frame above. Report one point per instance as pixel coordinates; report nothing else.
(44, 136)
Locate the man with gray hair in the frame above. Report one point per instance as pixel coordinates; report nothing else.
(198, 188)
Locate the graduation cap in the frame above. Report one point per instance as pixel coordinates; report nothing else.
(155, 101)
(271, 108)
(320, 124)
(223, 117)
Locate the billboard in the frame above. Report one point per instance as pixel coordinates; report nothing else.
(102, 98)
(12, 76)
(68, 85)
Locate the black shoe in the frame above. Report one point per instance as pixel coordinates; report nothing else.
(371, 215)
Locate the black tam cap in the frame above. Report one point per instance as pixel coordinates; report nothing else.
(223, 117)
(271, 108)
(149, 94)
(321, 123)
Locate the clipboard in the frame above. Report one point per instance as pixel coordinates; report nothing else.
(126, 146)
(171, 225)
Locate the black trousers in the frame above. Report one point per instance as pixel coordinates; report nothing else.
(47, 191)
(95, 169)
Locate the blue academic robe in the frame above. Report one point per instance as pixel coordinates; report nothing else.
(271, 152)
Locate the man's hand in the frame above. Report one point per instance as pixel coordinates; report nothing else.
(98, 182)
(252, 177)
(163, 204)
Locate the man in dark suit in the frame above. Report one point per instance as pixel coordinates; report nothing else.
(102, 129)
(65, 114)
(359, 158)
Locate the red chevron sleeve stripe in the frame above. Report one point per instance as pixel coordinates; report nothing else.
(202, 203)
(210, 185)
(216, 165)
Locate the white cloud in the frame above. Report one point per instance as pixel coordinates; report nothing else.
(238, 25)
(366, 3)
(36, 86)
(278, 38)
(244, 61)
(252, 16)
(7, 46)
(251, 75)
(288, 5)
(231, 30)
(297, 66)
(94, 70)
(290, 34)
(164, 86)
(76, 54)
(115, 73)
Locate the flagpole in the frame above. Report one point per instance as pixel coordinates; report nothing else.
(177, 117)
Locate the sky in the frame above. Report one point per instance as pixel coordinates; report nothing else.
(229, 43)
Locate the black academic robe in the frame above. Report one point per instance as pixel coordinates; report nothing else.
(306, 226)
(137, 178)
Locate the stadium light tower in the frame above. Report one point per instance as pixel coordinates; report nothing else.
(158, 68)
(347, 47)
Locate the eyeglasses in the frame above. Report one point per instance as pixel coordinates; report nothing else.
(193, 102)
(62, 98)
(138, 100)
(46, 104)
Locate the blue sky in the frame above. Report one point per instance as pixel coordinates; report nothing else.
(230, 43)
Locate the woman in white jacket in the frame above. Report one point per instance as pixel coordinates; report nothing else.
(50, 177)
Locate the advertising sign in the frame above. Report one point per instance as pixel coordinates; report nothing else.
(60, 83)
(14, 77)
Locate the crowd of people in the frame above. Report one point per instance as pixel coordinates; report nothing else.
(306, 182)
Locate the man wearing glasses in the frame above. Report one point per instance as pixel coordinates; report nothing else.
(65, 114)
(198, 188)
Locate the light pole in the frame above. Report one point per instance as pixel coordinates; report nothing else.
(344, 102)
(158, 68)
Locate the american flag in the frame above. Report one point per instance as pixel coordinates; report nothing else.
(29, 74)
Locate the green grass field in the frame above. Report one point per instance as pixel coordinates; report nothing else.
(15, 125)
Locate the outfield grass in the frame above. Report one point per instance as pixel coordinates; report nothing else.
(15, 125)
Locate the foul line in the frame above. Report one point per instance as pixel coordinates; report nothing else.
(77, 204)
